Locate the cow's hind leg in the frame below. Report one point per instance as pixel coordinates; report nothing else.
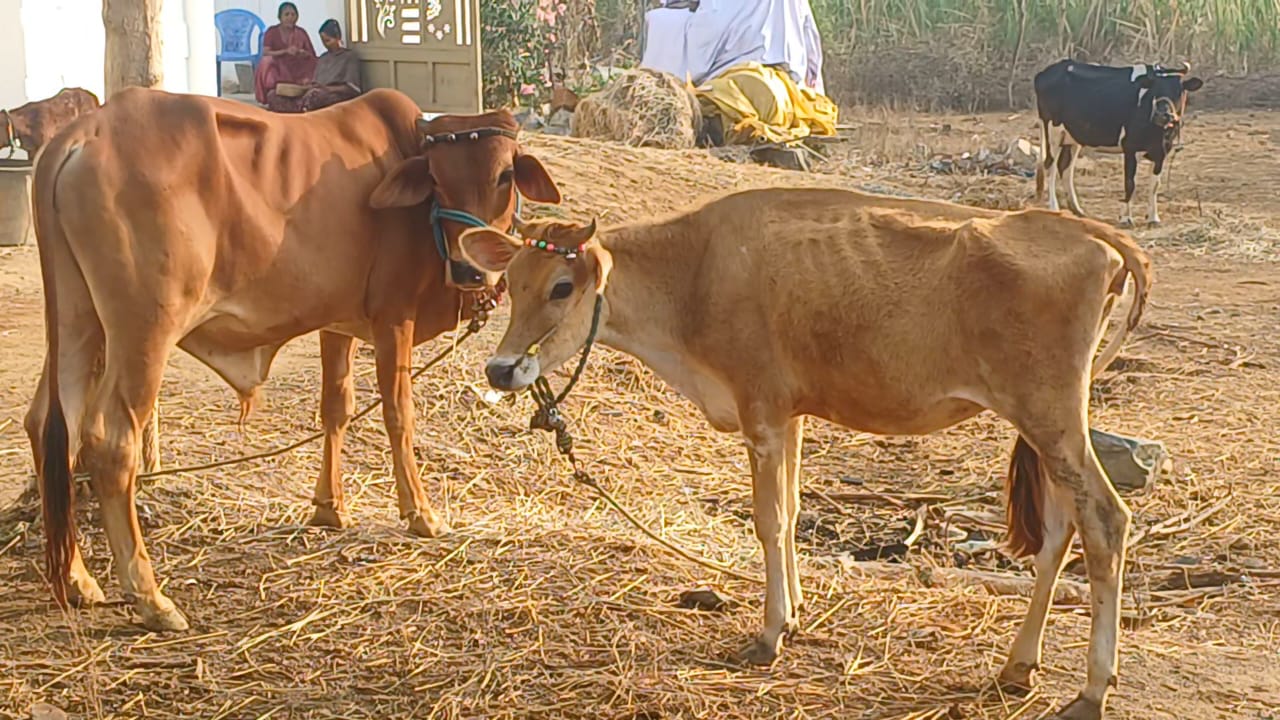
(1058, 529)
(337, 405)
(1067, 167)
(1102, 519)
(1050, 169)
(112, 438)
(82, 589)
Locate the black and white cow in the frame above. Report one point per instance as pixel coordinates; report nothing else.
(1135, 110)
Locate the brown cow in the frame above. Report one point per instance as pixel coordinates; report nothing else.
(887, 316)
(31, 126)
(182, 221)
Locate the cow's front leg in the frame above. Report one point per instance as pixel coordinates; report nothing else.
(1153, 215)
(766, 447)
(337, 405)
(393, 346)
(1130, 173)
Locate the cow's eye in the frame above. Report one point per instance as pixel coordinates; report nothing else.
(561, 290)
(505, 177)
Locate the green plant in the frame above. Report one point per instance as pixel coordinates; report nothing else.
(1226, 33)
(513, 53)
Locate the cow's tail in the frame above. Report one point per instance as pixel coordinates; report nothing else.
(1025, 480)
(57, 486)
(1024, 487)
(1136, 265)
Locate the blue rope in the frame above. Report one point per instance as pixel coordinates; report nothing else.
(438, 214)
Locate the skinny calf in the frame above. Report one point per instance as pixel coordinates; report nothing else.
(884, 315)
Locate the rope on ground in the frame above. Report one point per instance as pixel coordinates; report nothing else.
(476, 325)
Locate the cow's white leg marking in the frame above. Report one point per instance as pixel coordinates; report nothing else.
(794, 440)
(1052, 171)
(1153, 214)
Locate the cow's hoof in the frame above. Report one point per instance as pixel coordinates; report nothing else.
(428, 526)
(1125, 223)
(1017, 678)
(760, 653)
(164, 618)
(1077, 212)
(1153, 223)
(792, 628)
(1079, 709)
(331, 518)
(84, 592)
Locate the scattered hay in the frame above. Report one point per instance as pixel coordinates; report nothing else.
(641, 108)
(1222, 234)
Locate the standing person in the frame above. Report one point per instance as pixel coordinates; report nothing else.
(337, 76)
(287, 54)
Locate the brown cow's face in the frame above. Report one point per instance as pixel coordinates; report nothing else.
(552, 295)
(478, 177)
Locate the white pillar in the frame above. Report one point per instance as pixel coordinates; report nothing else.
(202, 47)
(13, 55)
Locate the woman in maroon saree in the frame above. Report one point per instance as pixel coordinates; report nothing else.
(287, 54)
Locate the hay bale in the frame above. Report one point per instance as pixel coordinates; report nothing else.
(641, 108)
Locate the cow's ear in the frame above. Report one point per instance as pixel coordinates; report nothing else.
(407, 185)
(534, 181)
(1192, 84)
(488, 249)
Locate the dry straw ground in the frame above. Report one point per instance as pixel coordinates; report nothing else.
(542, 603)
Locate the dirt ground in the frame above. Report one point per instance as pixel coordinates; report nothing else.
(544, 603)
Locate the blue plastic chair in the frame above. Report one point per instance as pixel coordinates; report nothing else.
(235, 28)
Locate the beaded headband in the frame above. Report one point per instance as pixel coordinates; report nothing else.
(568, 253)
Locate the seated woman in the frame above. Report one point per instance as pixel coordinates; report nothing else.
(287, 55)
(337, 76)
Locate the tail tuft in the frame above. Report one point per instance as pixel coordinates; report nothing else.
(1025, 487)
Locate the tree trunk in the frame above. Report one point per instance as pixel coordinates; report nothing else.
(133, 44)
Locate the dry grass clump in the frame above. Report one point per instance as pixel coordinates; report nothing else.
(641, 108)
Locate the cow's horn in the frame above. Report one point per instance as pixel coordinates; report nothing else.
(1186, 67)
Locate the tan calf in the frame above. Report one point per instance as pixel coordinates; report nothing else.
(887, 316)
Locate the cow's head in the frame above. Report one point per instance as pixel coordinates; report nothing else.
(1168, 88)
(8, 132)
(553, 275)
(471, 173)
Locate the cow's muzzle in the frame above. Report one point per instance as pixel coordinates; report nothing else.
(512, 373)
(465, 276)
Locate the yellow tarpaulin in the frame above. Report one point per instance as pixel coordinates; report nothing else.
(763, 104)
